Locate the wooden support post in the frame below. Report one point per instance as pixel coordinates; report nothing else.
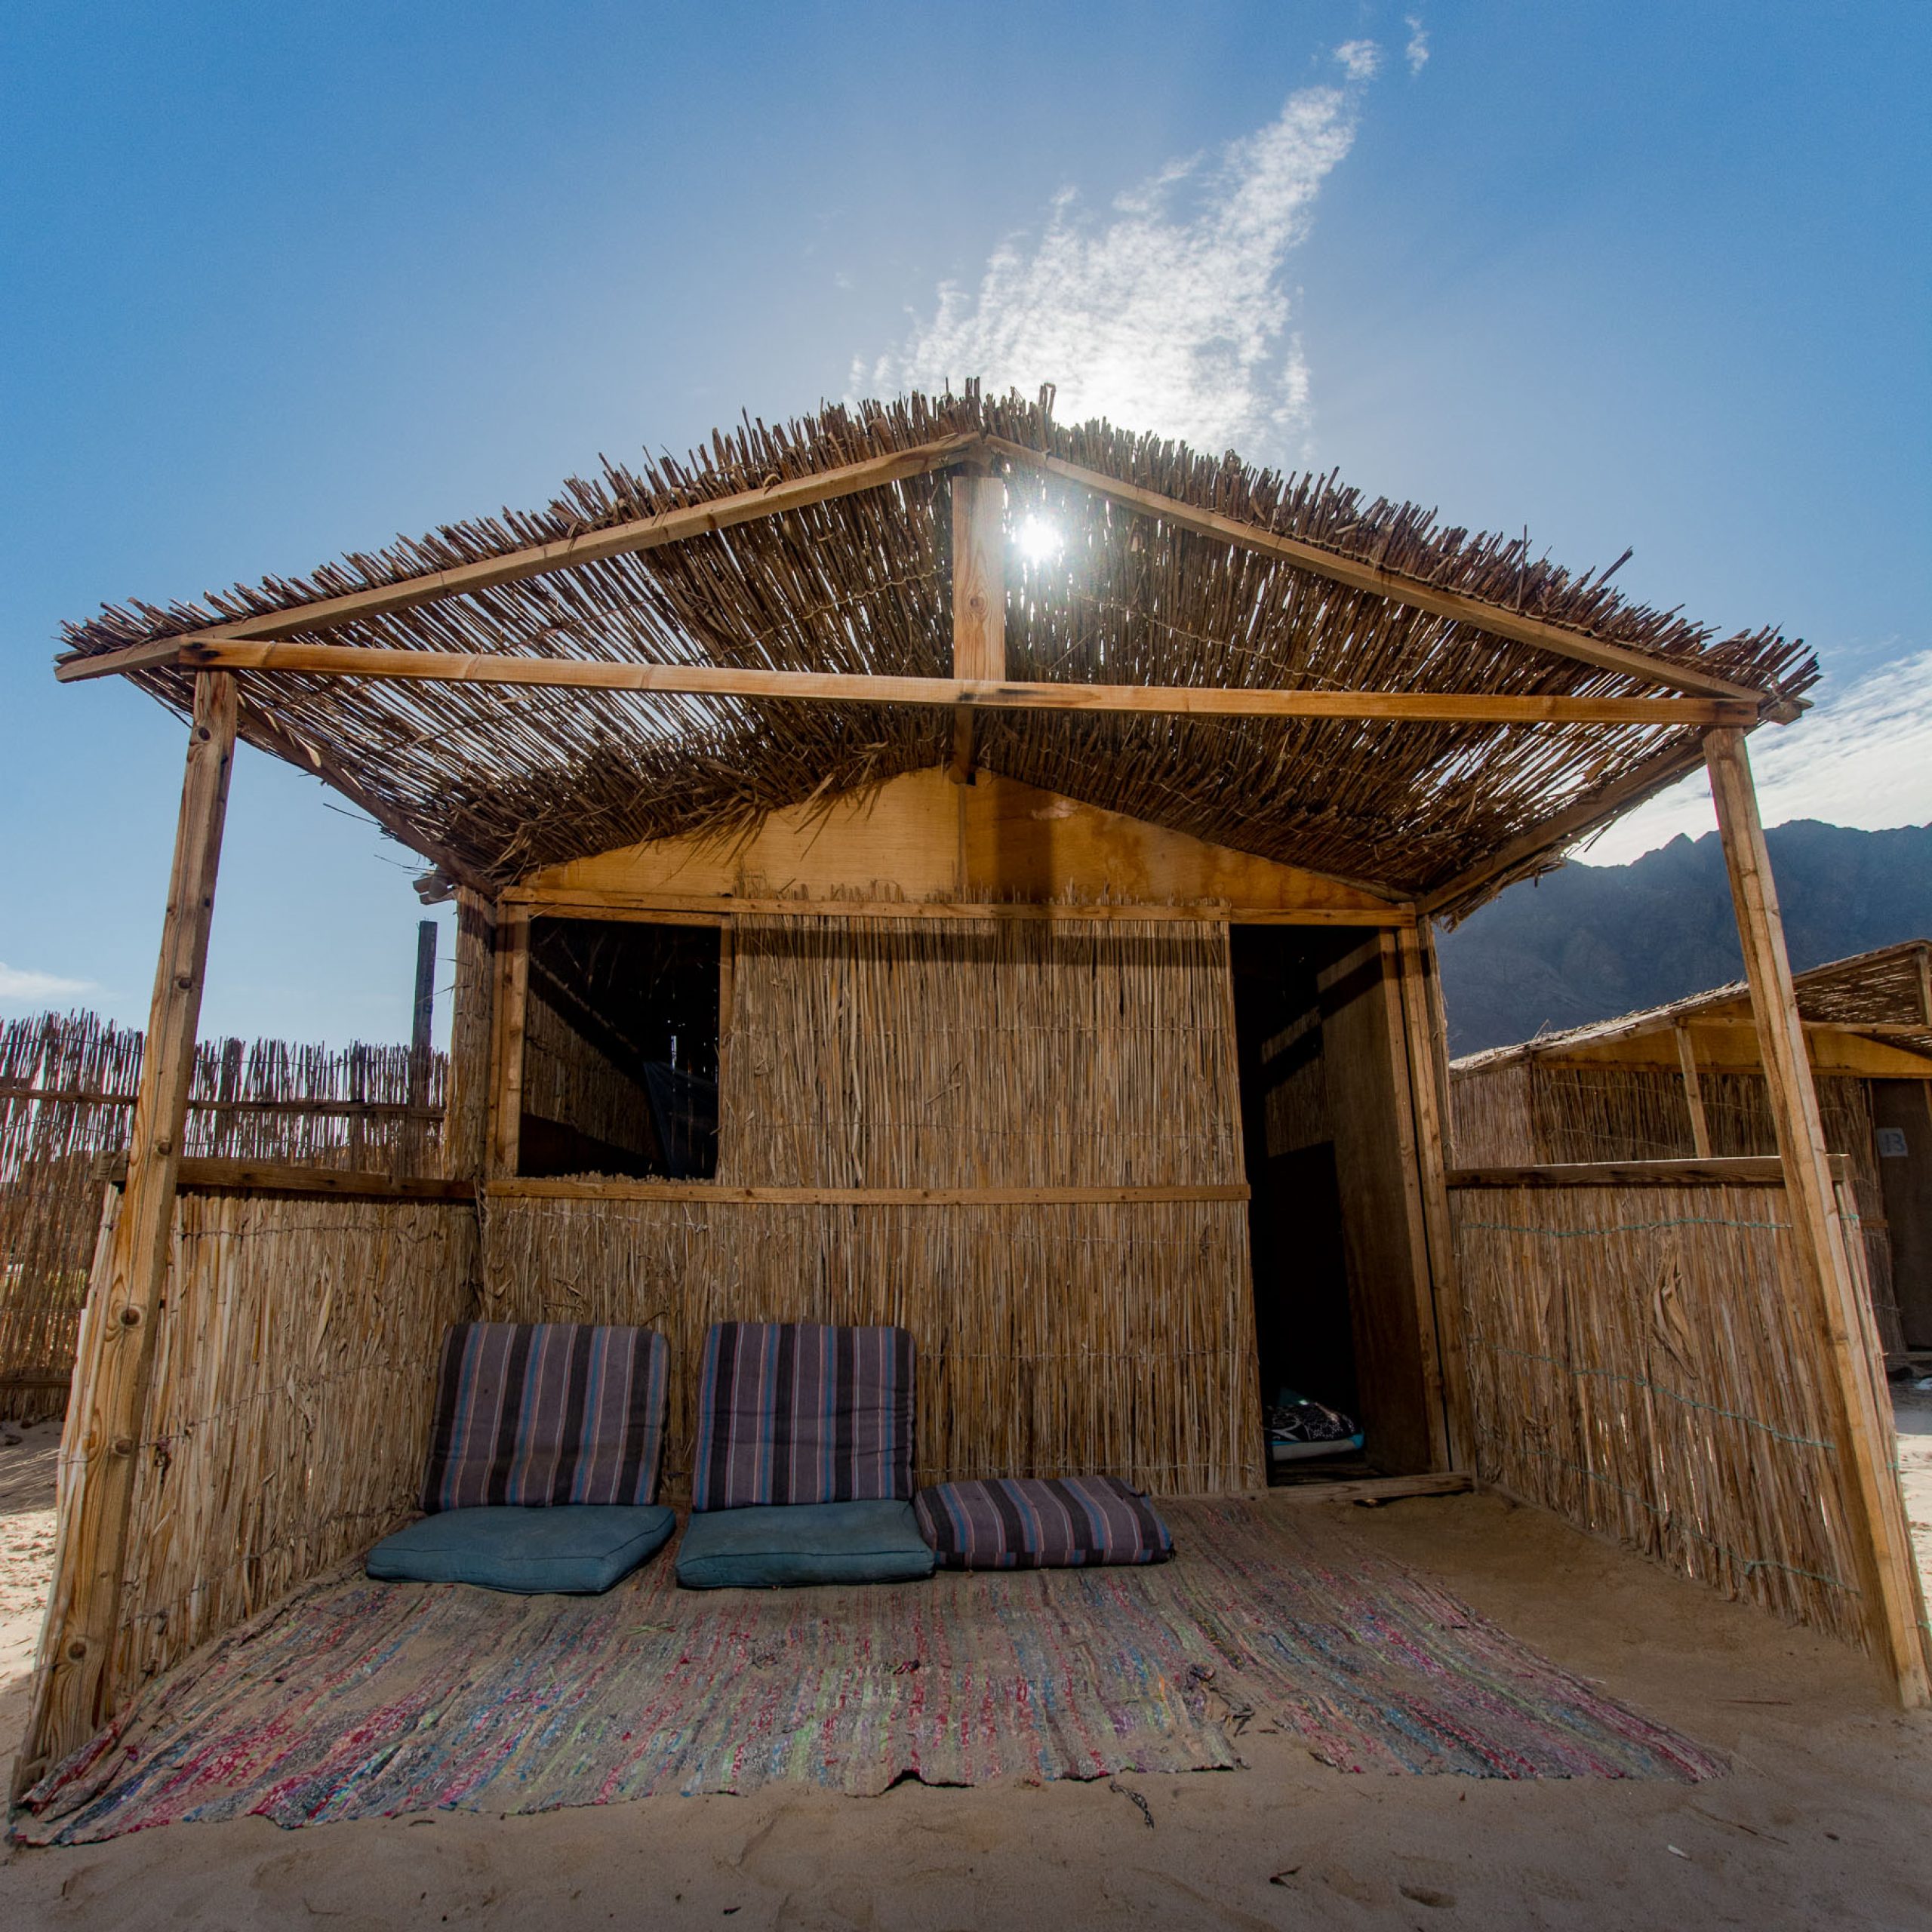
(979, 597)
(412, 1143)
(1427, 1032)
(74, 1690)
(512, 996)
(1866, 1445)
(1694, 1093)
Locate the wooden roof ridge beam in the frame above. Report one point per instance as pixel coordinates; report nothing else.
(1586, 814)
(843, 687)
(1357, 573)
(619, 539)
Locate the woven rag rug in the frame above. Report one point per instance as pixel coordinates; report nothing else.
(353, 1698)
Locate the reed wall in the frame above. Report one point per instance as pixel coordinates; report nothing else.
(920, 1054)
(1640, 1361)
(289, 1414)
(568, 1080)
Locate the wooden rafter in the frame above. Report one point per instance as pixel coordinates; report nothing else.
(620, 539)
(827, 686)
(1357, 573)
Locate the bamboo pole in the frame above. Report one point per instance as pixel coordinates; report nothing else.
(103, 1433)
(1694, 1093)
(1894, 1609)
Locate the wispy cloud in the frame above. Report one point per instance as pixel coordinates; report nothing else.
(19, 987)
(1168, 313)
(1416, 51)
(1863, 758)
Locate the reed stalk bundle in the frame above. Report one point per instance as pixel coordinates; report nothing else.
(1641, 1362)
(288, 1417)
(67, 1086)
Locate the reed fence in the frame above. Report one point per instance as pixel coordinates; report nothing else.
(1525, 1113)
(1640, 1361)
(67, 1087)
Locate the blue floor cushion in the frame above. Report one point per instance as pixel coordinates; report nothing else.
(571, 1549)
(872, 1542)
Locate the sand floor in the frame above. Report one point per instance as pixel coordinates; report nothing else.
(1822, 1823)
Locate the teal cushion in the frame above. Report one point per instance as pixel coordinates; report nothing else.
(574, 1549)
(803, 1542)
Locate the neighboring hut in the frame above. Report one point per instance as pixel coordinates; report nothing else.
(1686, 1081)
(1032, 834)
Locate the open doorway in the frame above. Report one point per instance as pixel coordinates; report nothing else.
(1339, 1270)
(620, 1049)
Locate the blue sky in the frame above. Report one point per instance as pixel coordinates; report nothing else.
(282, 282)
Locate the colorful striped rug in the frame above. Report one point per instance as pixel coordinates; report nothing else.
(355, 1699)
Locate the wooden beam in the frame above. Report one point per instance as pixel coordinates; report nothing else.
(717, 1191)
(74, 1691)
(842, 688)
(257, 728)
(1371, 1491)
(979, 599)
(1594, 809)
(565, 902)
(206, 1176)
(1426, 1032)
(620, 539)
(511, 1005)
(1894, 1602)
(1357, 573)
(1694, 1093)
(1720, 1170)
(1728, 1049)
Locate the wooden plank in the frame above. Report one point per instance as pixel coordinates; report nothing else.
(1594, 810)
(720, 1193)
(1894, 1602)
(1357, 573)
(1398, 1373)
(74, 1693)
(978, 598)
(1694, 1093)
(513, 997)
(459, 667)
(620, 539)
(651, 906)
(918, 837)
(1425, 1033)
(1373, 1489)
(208, 1177)
(1726, 1049)
(1720, 1170)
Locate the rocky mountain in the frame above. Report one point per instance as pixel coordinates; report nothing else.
(1590, 942)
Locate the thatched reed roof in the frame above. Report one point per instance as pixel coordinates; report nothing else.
(1886, 994)
(493, 782)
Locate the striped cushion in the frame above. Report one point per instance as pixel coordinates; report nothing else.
(1035, 1523)
(795, 1412)
(546, 1412)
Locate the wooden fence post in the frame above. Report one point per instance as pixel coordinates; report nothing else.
(1866, 1441)
(73, 1689)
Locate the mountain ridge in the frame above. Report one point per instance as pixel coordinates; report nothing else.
(1588, 942)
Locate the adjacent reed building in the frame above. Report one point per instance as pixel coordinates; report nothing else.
(934, 864)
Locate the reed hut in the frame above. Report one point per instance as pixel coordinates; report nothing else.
(928, 864)
(1685, 1081)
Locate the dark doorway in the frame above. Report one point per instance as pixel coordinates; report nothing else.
(1304, 1341)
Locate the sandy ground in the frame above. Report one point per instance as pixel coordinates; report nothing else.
(1822, 1822)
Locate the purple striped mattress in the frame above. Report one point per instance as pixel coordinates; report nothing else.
(797, 1412)
(545, 1413)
